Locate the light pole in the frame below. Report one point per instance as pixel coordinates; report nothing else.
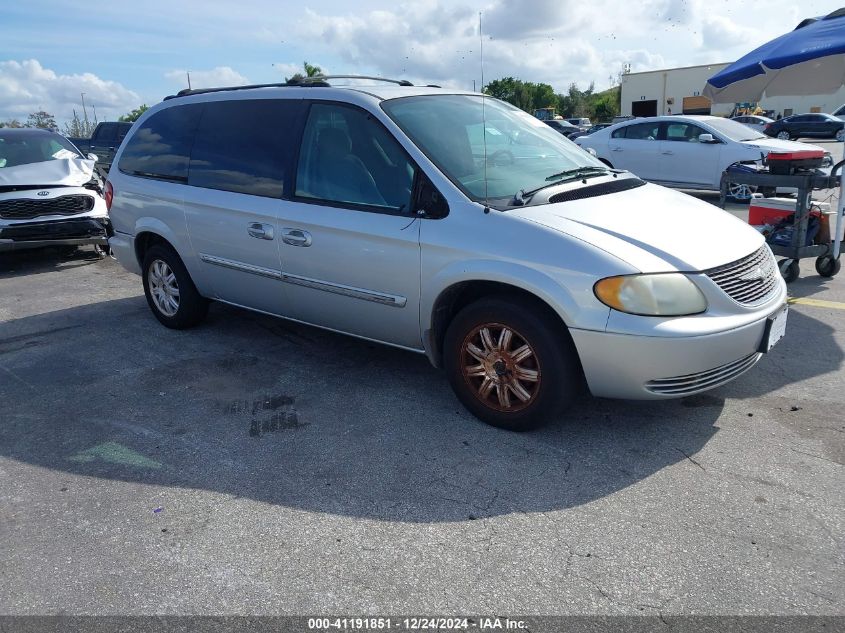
(85, 114)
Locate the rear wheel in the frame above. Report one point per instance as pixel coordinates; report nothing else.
(510, 363)
(784, 135)
(840, 135)
(170, 292)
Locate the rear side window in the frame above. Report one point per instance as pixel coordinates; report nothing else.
(244, 146)
(161, 147)
(639, 131)
(106, 132)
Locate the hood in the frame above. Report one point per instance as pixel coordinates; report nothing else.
(652, 228)
(72, 172)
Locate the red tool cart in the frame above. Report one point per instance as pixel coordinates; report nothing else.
(808, 234)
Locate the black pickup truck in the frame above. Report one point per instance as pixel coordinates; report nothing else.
(104, 142)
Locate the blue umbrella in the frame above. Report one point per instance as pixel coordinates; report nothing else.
(809, 60)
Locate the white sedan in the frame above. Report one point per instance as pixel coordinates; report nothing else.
(684, 152)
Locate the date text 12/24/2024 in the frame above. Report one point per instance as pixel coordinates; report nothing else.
(415, 624)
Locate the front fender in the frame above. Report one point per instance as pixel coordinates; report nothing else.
(578, 309)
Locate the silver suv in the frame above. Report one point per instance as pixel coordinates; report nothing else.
(443, 223)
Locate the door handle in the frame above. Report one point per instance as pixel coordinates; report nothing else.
(296, 237)
(261, 231)
(615, 149)
(668, 152)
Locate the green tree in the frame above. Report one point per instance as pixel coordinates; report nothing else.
(311, 70)
(523, 94)
(43, 120)
(133, 116)
(11, 123)
(78, 128)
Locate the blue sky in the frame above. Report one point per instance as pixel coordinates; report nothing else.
(122, 54)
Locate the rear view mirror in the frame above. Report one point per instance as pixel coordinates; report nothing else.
(706, 138)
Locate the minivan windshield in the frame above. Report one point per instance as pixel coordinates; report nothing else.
(488, 148)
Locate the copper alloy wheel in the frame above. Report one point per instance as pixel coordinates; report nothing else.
(500, 367)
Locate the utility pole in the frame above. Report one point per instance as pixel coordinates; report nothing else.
(85, 115)
(188, 72)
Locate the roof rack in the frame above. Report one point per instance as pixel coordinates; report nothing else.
(317, 81)
(322, 78)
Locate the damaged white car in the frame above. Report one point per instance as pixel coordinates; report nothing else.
(49, 193)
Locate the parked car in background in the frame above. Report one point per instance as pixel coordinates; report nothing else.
(622, 118)
(104, 141)
(754, 121)
(582, 123)
(382, 212)
(564, 127)
(593, 128)
(49, 193)
(812, 125)
(685, 152)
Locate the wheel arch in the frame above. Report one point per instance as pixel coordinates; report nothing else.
(453, 296)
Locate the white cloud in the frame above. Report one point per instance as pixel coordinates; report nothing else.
(214, 78)
(27, 86)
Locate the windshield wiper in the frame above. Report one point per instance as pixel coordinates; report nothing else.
(522, 196)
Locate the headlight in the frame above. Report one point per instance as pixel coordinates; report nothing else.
(671, 294)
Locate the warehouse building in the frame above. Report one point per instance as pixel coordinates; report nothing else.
(678, 91)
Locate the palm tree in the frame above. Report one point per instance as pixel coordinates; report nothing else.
(311, 70)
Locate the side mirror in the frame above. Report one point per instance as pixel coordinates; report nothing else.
(429, 202)
(590, 151)
(92, 157)
(706, 138)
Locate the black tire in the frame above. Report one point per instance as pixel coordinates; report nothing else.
(551, 373)
(789, 272)
(826, 266)
(191, 306)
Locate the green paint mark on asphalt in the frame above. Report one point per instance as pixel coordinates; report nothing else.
(114, 453)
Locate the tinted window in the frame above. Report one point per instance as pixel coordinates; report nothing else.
(161, 146)
(106, 132)
(244, 146)
(642, 131)
(683, 132)
(348, 157)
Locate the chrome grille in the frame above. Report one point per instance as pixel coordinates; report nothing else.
(750, 280)
(700, 381)
(26, 208)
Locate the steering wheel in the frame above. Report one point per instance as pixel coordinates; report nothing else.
(500, 158)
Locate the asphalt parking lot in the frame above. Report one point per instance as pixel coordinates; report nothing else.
(257, 466)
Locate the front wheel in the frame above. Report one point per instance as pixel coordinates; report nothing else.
(510, 363)
(789, 269)
(170, 292)
(741, 193)
(826, 266)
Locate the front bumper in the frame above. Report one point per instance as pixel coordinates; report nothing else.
(70, 232)
(641, 367)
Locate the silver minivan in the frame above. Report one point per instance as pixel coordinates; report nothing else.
(444, 223)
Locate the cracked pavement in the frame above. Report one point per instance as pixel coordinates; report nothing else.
(257, 466)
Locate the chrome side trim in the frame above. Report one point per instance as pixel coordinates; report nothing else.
(395, 301)
(246, 268)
